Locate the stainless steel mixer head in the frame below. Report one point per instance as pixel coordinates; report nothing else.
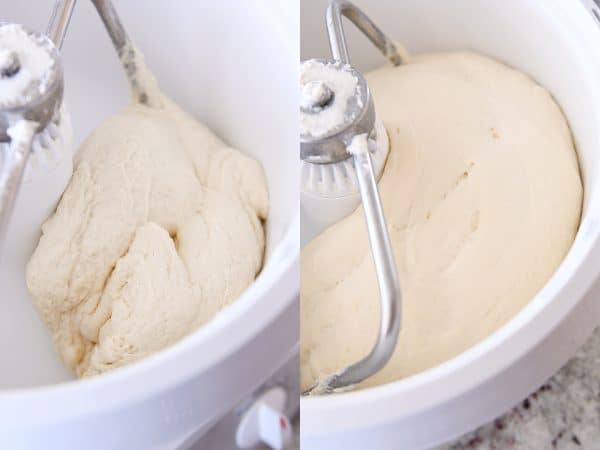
(359, 117)
(40, 106)
(332, 146)
(31, 112)
(42, 98)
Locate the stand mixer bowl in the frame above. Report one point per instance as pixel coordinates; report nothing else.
(558, 44)
(182, 391)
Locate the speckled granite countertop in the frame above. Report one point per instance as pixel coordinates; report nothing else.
(564, 414)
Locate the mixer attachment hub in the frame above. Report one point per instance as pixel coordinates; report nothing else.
(9, 64)
(316, 95)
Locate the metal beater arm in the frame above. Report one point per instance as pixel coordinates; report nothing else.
(59, 21)
(12, 169)
(337, 40)
(123, 46)
(387, 278)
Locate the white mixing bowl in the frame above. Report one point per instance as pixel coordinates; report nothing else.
(233, 64)
(558, 43)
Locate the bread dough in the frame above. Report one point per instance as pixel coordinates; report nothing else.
(159, 228)
(482, 196)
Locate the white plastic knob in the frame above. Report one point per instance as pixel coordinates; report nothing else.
(265, 422)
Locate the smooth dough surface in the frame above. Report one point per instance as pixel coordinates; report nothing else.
(483, 197)
(159, 228)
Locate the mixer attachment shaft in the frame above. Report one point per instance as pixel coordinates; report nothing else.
(124, 47)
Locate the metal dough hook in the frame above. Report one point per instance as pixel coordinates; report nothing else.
(337, 39)
(333, 146)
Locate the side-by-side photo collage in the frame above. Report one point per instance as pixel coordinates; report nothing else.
(299, 225)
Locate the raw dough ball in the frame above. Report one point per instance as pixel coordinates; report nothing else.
(482, 196)
(159, 229)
